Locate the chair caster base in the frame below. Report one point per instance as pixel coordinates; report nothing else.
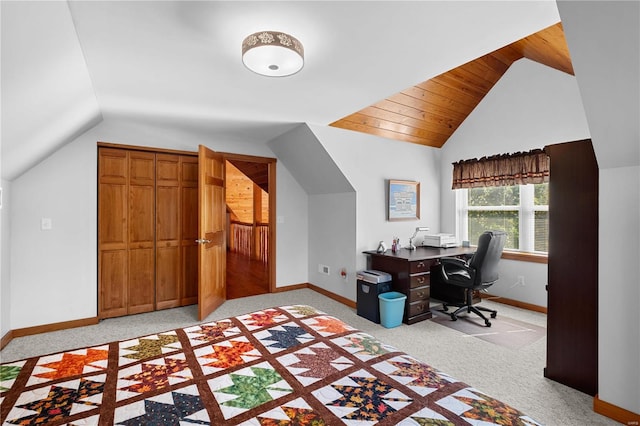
(494, 314)
(487, 323)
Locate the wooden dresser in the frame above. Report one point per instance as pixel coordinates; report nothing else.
(411, 274)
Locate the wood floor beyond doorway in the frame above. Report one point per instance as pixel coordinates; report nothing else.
(246, 276)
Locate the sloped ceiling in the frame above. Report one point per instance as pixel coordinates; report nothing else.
(604, 38)
(257, 172)
(68, 65)
(430, 112)
(47, 94)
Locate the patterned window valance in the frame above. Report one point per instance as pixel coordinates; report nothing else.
(519, 168)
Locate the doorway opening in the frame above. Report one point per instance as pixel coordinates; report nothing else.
(248, 223)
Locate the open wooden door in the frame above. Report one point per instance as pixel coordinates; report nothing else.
(211, 232)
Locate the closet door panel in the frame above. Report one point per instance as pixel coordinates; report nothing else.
(112, 232)
(142, 168)
(189, 275)
(112, 265)
(167, 277)
(167, 169)
(189, 229)
(141, 217)
(141, 232)
(168, 215)
(112, 210)
(141, 280)
(168, 263)
(112, 166)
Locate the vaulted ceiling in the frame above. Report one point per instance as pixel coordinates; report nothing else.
(71, 66)
(428, 113)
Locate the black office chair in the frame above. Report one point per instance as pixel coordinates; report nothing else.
(479, 273)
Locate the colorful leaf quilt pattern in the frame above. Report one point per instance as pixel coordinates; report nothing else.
(288, 365)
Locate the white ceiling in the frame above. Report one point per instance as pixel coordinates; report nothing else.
(66, 66)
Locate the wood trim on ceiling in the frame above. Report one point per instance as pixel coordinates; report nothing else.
(429, 112)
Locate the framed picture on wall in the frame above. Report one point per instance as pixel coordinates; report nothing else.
(404, 200)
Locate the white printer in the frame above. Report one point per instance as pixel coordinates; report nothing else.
(440, 240)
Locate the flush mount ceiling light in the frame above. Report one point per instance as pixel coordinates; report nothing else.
(272, 53)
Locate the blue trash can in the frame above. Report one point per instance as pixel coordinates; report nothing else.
(391, 308)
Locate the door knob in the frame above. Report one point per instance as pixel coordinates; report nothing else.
(203, 241)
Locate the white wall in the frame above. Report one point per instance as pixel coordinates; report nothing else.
(330, 213)
(5, 257)
(332, 239)
(292, 234)
(530, 107)
(618, 272)
(368, 162)
(54, 273)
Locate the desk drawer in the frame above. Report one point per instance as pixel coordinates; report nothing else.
(418, 266)
(418, 308)
(418, 293)
(419, 280)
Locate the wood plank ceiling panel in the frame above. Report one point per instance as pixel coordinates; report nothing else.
(430, 112)
(257, 172)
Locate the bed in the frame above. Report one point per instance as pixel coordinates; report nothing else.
(289, 365)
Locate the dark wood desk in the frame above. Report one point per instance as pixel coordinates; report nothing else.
(411, 274)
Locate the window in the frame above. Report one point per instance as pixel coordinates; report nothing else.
(522, 211)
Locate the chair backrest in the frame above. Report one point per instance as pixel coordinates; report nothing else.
(486, 258)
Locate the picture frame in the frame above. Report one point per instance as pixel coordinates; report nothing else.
(403, 201)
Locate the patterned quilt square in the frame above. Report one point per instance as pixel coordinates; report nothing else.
(211, 332)
(418, 376)
(363, 346)
(283, 337)
(296, 412)
(8, 374)
(248, 388)
(152, 375)
(362, 397)
(314, 363)
(327, 325)
(227, 354)
(182, 406)
(260, 319)
(69, 364)
(148, 347)
(301, 311)
(52, 403)
(481, 409)
(427, 416)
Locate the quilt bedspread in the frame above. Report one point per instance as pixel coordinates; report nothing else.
(289, 365)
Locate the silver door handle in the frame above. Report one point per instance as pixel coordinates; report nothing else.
(203, 241)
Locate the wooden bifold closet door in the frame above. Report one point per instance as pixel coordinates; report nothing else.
(147, 227)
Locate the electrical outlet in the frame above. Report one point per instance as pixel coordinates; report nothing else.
(343, 273)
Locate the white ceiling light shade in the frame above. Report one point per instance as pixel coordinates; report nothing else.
(272, 53)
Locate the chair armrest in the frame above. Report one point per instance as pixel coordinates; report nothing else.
(457, 271)
(453, 261)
